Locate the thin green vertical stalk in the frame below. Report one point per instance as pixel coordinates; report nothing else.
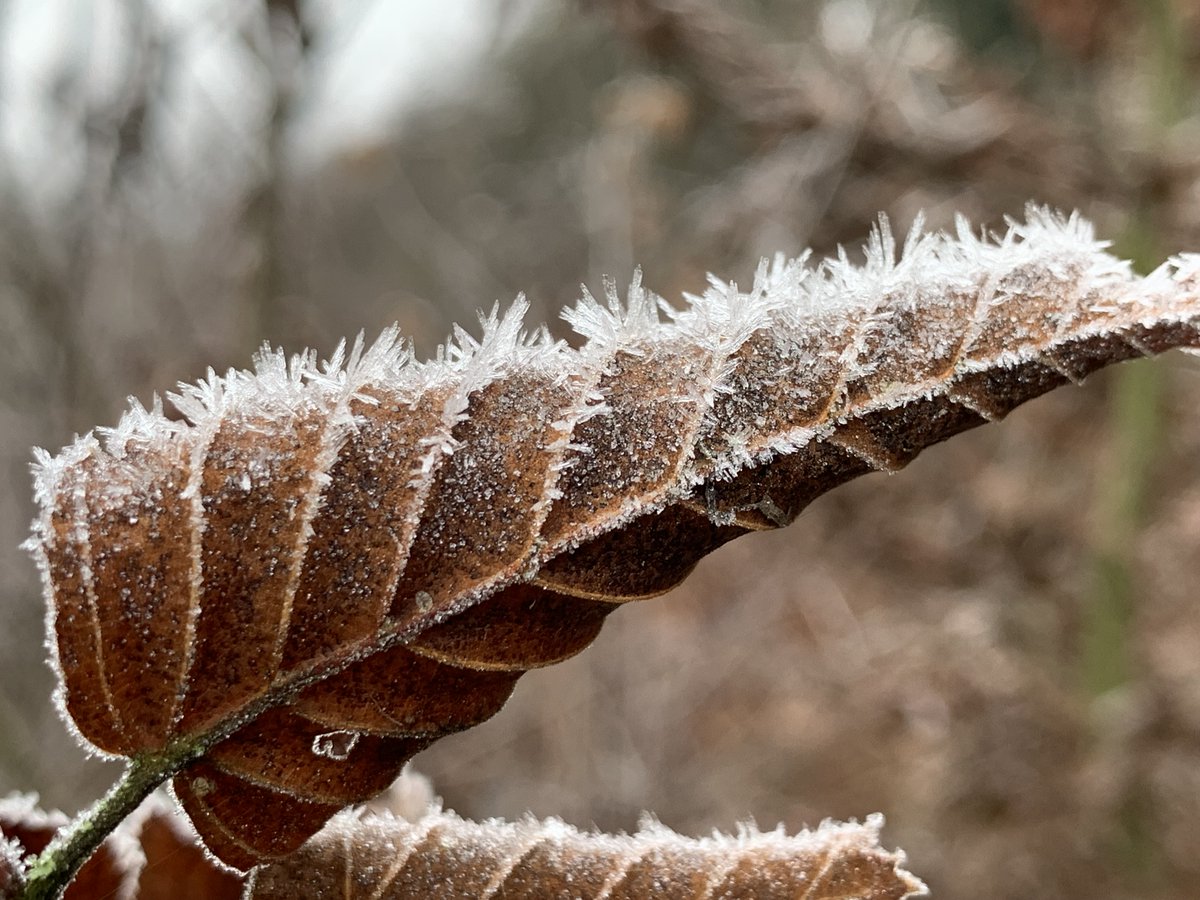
(1166, 61)
(1136, 424)
(1136, 399)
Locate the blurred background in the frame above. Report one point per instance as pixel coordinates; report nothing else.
(999, 648)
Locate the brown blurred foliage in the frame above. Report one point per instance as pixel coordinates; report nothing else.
(925, 645)
(153, 854)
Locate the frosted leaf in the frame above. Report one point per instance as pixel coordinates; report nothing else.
(377, 546)
(443, 855)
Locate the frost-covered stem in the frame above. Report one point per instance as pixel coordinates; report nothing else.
(53, 869)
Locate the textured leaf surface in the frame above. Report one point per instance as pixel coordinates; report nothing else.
(322, 569)
(444, 856)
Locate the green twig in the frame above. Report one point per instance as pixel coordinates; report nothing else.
(53, 869)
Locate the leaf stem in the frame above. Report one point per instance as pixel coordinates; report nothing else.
(53, 869)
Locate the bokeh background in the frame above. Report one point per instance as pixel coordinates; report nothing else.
(999, 648)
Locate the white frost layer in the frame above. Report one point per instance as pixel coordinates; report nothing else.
(723, 317)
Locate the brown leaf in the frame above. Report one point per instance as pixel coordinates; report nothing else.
(324, 569)
(151, 856)
(442, 855)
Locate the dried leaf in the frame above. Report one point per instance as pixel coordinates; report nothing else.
(151, 856)
(442, 855)
(323, 569)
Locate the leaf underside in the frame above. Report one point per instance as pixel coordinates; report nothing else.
(323, 569)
